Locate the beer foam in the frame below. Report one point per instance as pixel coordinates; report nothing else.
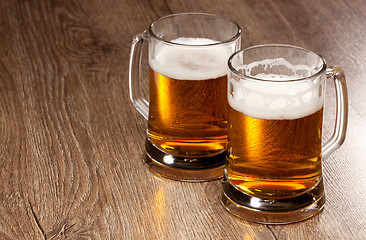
(274, 97)
(269, 63)
(192, 62)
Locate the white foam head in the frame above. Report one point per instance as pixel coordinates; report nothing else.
(276, 97)
(193, 62)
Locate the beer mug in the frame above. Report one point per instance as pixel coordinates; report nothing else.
(186, 110)
(273, 172)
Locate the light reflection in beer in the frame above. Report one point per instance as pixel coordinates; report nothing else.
(168, 159)
(164, 101)
(254, 137)
(255, 202)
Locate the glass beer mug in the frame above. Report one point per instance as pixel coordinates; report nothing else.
(273, 172)
(186, 111)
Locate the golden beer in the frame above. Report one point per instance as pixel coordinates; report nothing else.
(273, 172)
(275, 129)
(274, 158)
(187, 106)
(188, 117)
(188, 102)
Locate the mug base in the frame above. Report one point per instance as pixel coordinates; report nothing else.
(269, 211)
(184, 168)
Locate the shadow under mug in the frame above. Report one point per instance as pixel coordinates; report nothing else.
(186, 111)
(273, 172)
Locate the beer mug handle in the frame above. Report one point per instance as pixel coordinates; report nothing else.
(140, 103)
(339, 133)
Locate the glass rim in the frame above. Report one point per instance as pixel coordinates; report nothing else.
(243, 75)
(229, 40)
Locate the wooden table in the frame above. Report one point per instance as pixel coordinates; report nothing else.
(71, 143)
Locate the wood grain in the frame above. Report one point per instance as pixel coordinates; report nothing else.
(71, 143)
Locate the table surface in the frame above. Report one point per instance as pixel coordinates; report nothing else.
(71, 143)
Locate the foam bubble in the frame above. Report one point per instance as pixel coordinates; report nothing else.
(193, 62)
(276, 98)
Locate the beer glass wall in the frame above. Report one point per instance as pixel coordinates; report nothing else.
(186, 111)
(273, 172)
